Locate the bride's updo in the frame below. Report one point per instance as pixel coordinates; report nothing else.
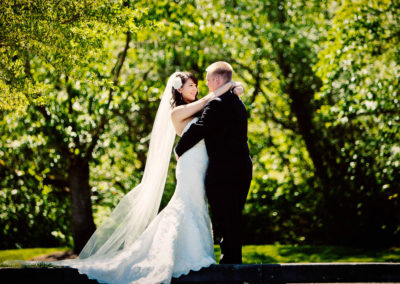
(177, 98)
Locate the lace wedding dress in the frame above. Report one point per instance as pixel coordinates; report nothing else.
(178, 239)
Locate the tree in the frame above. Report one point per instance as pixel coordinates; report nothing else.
(321, 84)
(60, 34)
(359, 116)
(274, 46)
(56, 44)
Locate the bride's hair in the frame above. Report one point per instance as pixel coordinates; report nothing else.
(177, 98)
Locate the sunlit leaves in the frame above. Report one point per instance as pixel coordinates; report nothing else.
(339, 62)
(60, 34)
(359, 107)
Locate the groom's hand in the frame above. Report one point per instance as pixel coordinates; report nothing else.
(176, 156)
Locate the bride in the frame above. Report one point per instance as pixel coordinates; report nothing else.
(134, 244)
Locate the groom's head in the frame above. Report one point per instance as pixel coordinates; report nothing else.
(218, 74)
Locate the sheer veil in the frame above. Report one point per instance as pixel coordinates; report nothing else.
(137, 208)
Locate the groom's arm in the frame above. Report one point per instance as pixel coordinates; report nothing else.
(208, 123)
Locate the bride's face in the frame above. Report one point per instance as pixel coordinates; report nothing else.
(188, 91)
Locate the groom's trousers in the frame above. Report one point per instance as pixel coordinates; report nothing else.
(227, 198)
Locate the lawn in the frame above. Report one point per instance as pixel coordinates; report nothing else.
(264, 254)
(308, 253)
(26, 254)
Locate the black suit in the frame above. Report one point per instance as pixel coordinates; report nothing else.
(223, 125)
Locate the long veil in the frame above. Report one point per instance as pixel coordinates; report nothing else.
(137, 208)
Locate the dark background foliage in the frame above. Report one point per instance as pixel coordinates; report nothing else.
(81, 86)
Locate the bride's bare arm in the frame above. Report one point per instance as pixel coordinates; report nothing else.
(181, 114)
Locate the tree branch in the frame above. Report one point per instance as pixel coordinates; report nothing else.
(59, 183)
(286, 124)
(241, 65)
(104, 119)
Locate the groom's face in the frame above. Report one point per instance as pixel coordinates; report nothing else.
(212, 82)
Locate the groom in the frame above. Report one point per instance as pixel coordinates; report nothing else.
(223, 125)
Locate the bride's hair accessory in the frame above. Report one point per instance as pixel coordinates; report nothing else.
(177, 82)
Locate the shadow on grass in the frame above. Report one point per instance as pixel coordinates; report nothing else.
(256, 257)
(338, 254)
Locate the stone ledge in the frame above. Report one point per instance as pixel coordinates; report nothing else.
(296, 273)
(43, 275)
(245, 273)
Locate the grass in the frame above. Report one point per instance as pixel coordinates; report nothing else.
(261, 254)
(26, 254)
(307, 254)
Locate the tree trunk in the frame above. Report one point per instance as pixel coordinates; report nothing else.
(301, 99)
(301, 107)
(81, 208)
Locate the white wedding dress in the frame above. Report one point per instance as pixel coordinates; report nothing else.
(178, 239)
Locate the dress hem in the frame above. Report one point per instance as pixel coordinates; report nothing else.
(174, 275)
(196, 268)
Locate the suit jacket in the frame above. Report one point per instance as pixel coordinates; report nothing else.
(223, 125)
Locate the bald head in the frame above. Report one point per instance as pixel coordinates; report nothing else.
(218, 74)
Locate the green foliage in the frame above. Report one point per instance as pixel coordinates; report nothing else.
(61, 35)
(275, 45)
(32, 212)
(359, 117)
(321, 81)
(42, 145)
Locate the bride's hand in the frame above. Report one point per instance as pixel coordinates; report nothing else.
(238, 88)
